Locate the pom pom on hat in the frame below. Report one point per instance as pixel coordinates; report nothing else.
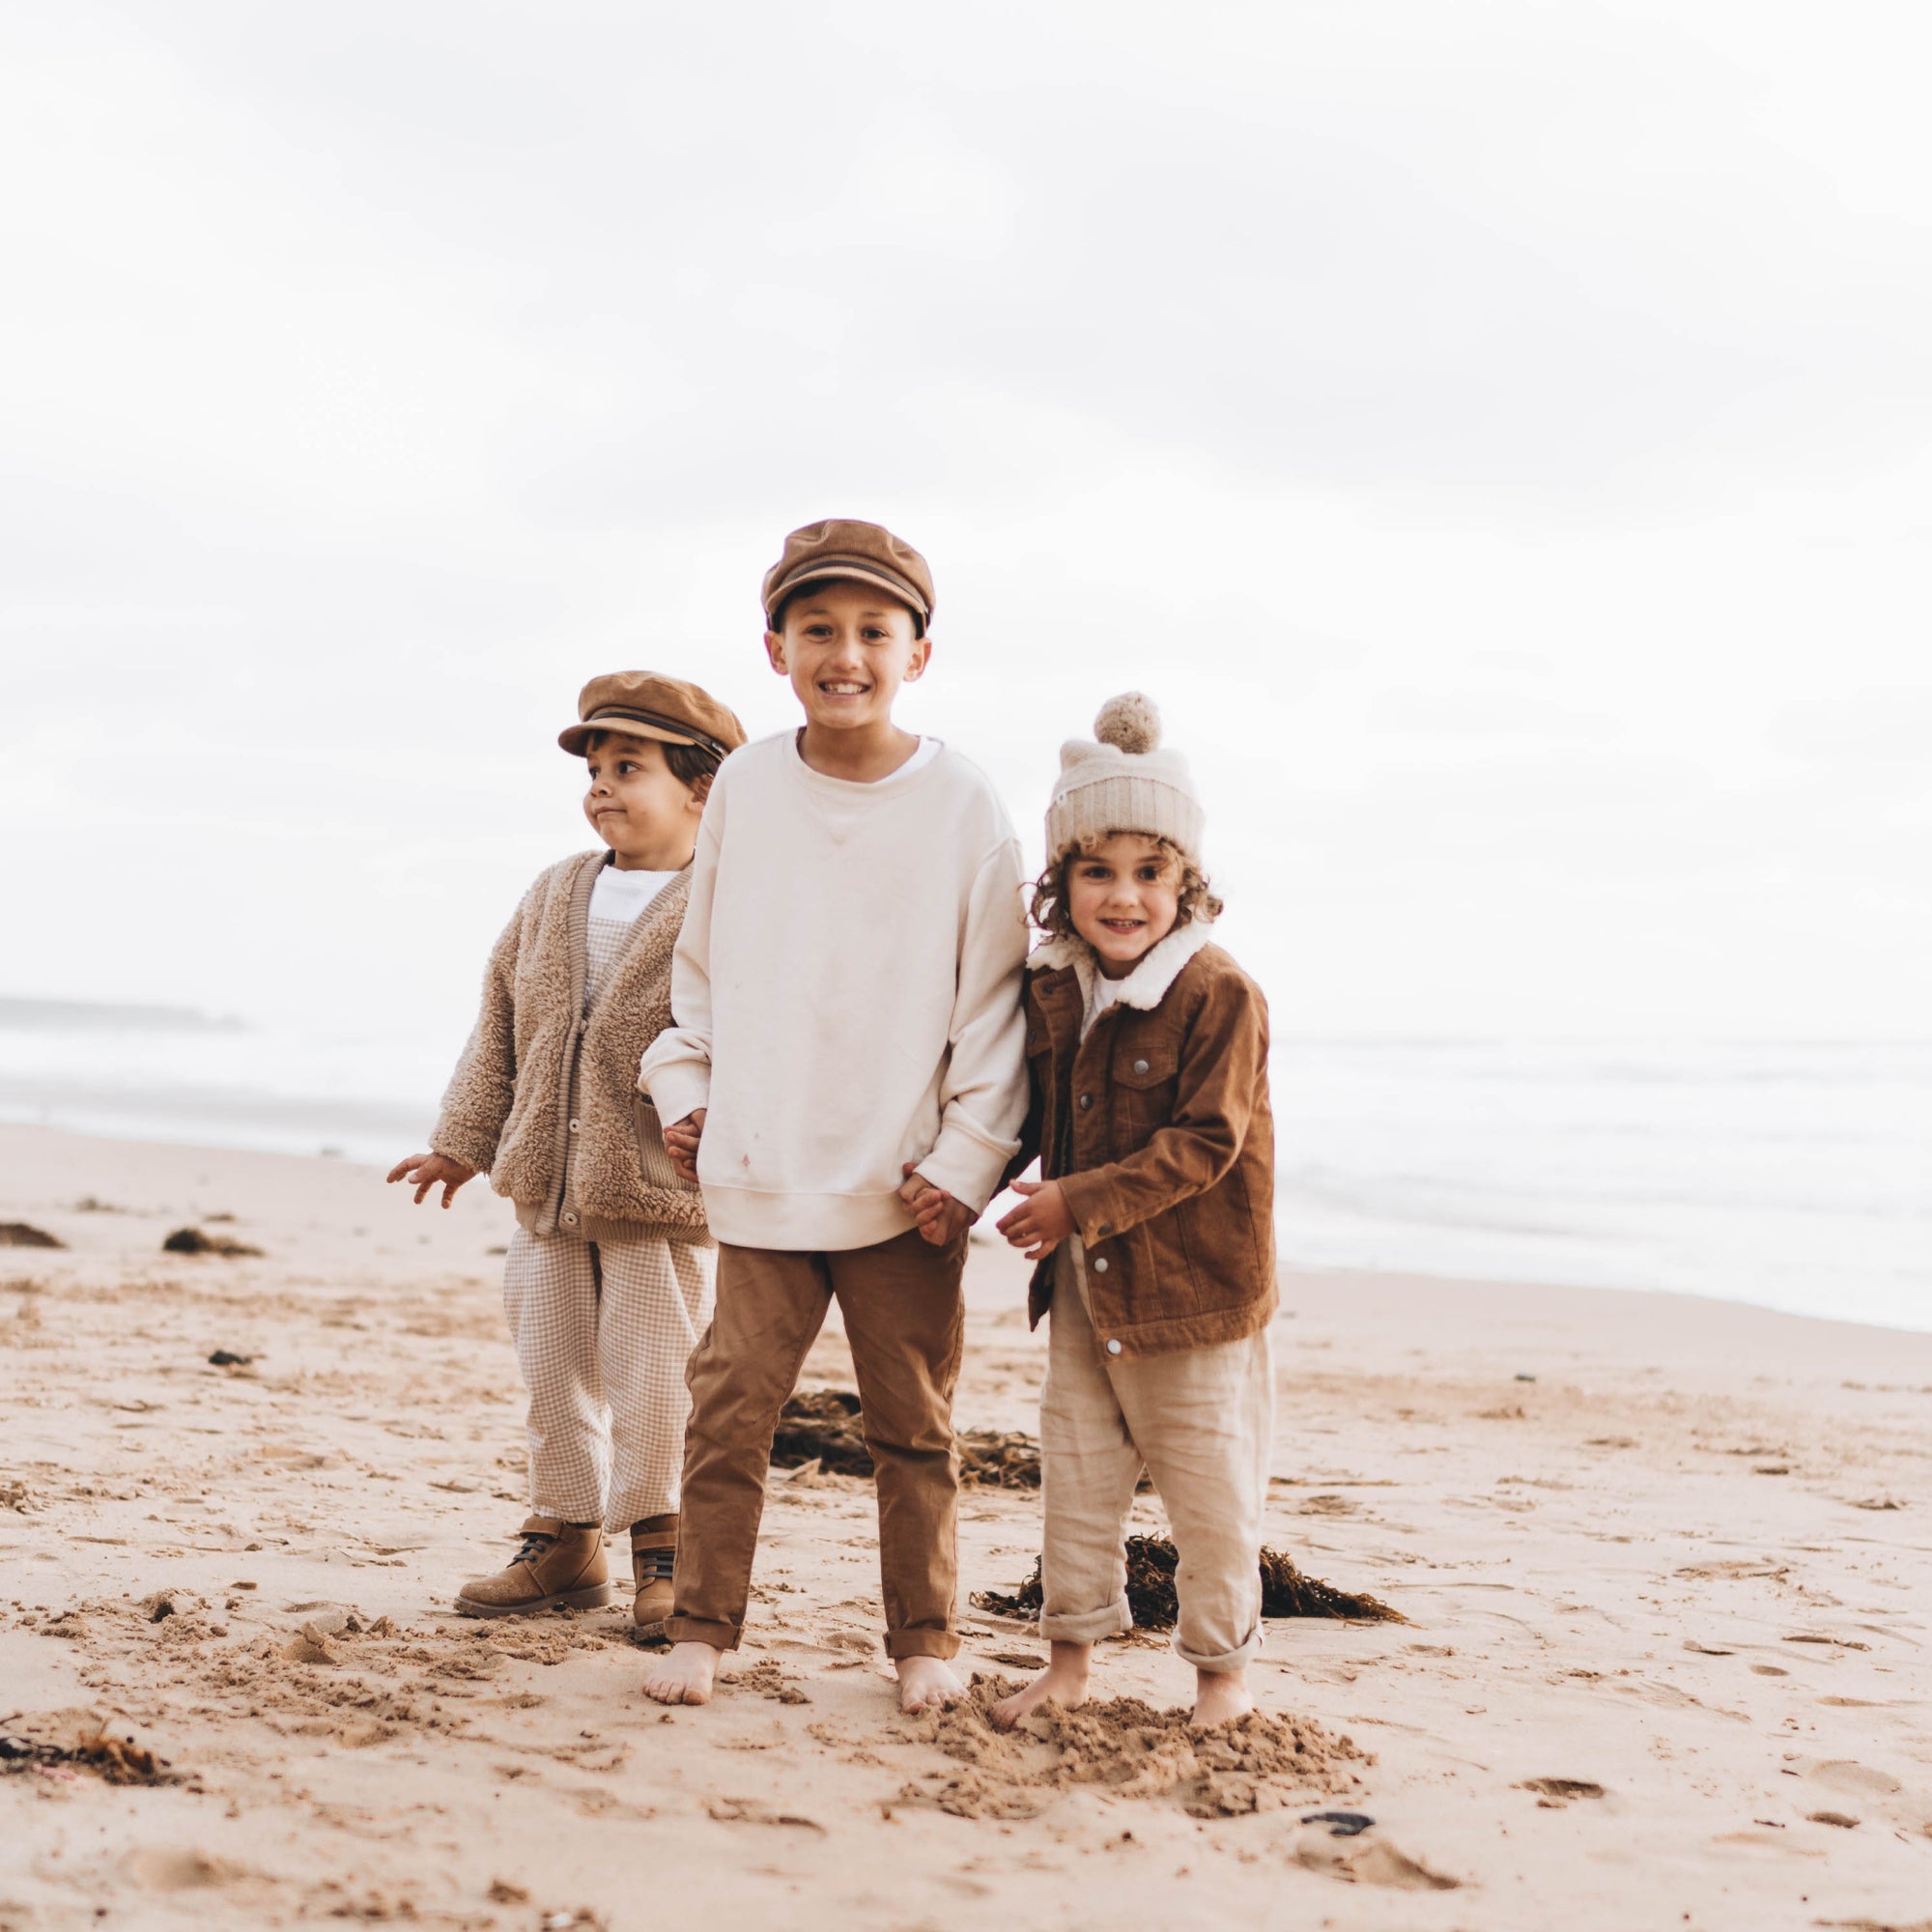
(1130, 723)
(1120, 780)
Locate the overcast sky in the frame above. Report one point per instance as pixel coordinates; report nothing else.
(1496, 435)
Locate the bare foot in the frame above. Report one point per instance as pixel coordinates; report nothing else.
(683, 1675)
(926, 1683)
(1063, 1681)
(1220, 1696)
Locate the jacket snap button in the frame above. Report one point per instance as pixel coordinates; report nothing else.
(1113, 1348)
(1086, 1101)
(1101, 1266)
(1140, 1067)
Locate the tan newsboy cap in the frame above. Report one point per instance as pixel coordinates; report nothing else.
(859, 552)
(645, 704)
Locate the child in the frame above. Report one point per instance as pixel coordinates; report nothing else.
(848, 1041)
(608, 1285)
(1154, 1222)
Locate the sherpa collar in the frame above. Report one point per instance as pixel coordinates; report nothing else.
(1145, 986)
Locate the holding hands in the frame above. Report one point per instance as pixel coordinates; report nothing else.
(681, 1140)
(433, 1170)
(1041, 1219)
(940, 1217)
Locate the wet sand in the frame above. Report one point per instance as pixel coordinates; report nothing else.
(1665, 1563)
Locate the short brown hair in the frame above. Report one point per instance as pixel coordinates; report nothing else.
(1049, 908)
(813, 586)
(690, 764)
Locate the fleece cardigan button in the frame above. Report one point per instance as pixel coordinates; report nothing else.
(1113, 1348)
(1101, 1266)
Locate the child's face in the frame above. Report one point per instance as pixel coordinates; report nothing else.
(1122, 895)
(847, 648)
(636, 804)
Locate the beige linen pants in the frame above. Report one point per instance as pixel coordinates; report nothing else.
(602, 1331)
(1200, 1421)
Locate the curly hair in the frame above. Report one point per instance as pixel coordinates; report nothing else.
(1049, 910)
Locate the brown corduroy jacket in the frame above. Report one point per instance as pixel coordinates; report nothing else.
(1158, 1129)
(508, 1106)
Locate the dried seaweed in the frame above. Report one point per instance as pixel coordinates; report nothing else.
(193, 1241)
(1151, 1561)
(22, 1234)
(825, 1425)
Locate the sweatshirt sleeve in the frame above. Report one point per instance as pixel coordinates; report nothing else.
(478, 1098)
(983, 1095)
(675, 1070)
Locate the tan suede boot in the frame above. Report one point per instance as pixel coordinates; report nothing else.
(653, 1552)
(559, 1564)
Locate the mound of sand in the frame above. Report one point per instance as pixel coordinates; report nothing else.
(1260, 1764)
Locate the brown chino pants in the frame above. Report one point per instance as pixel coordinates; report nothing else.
(905, 1322)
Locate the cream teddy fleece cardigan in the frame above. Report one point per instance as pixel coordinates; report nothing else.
(846, 996)
(508, 1104)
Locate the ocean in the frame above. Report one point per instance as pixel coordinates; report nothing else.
(1797, 1176)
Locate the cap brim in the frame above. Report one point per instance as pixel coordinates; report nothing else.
(849, 573)
(578, 736)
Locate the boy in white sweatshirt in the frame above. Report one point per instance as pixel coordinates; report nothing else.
(848, 1041)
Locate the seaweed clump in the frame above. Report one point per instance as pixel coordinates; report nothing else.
(193, 1241)
(825, 1425)
(1151, 1561)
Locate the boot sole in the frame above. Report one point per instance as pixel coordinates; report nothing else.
(598, 1596)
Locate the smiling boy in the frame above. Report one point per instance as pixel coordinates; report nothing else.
(848, 1043)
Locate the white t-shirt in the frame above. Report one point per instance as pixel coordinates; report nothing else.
(622, 895)
(1102, 994)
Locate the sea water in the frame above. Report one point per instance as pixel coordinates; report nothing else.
(1796, 1176)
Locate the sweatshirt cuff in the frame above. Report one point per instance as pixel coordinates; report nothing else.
(678, 1087)
(967, 1164)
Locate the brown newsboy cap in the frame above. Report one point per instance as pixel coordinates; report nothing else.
(643, 704)
(842, 546)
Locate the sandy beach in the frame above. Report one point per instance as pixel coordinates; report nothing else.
(1665, 1563)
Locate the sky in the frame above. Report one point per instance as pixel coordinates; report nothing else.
(1496, 436)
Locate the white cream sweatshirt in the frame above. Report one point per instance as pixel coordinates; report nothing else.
(846, 993)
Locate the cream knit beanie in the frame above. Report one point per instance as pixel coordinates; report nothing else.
(1124, 783)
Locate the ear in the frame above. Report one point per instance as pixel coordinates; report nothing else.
(774, 649)
(922, 656)
(699, 789)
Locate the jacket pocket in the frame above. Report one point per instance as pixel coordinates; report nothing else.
(655, 1168)
(1146, 1063)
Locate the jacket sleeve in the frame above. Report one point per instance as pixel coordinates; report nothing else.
(675, 1070)
(983, 1095)
(478, 1098)
(1222, 1065)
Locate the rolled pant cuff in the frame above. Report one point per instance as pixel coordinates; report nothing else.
(942, 1644)
(1089, 1626)
(1237, 1659)
(703, 1629)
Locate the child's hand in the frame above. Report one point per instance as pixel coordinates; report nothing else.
(681, 1140)
(431, 1170)
(1041, 1218)
(940, 1217)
